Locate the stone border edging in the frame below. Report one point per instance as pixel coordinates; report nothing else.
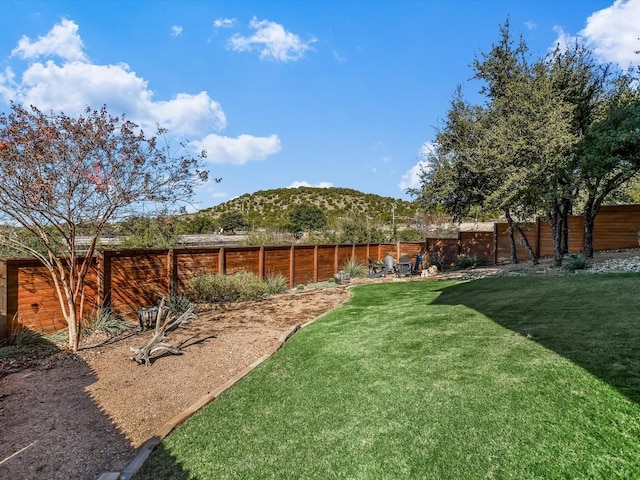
(147, 447)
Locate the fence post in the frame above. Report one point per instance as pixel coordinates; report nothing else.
(222, 267)
(335, 259)
(459, 243)
(315, 264)
(261, 263)
(292, 266)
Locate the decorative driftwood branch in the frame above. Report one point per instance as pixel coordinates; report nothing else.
(165, 324)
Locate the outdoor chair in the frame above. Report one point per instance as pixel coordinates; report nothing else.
(373, 266)
(376, 270)
(403, 267)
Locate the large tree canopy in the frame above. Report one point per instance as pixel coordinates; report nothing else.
(550, 133)
(62, 175)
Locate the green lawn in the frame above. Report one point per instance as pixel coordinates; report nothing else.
(509, 377)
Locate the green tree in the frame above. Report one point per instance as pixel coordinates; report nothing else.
(232, 220)
(306, 217)
(148, 232)
(354, 229)
(61, 176)
(609, 154)
(476, 155)
(199, 223)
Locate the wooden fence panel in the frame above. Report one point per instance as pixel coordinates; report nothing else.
(504, 245)
(5, 302)
(191, 262)
(326, 262)
(277, 261)
(343, 255)
(37, 305)
(388, 249)
(479, 244)
(361, 254)
(241, 259)
(545, 241)
(304, 264)
(616, 228)
(31, 298)
(447, 248)
(138, 279)
(576, 234)
(410, 249)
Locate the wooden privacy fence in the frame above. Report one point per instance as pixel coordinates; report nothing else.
(130, 279)
(133, 278)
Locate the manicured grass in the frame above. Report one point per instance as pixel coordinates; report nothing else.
(496, 378)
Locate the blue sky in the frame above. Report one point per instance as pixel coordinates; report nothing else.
(285, 93)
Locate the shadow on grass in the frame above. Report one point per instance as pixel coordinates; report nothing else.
(591, 320)
(161, 465)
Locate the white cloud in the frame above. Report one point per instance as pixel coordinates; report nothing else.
(224, 22)
(72, 85)
(613, 32)
(176, 31)
(238, 150)
(411, 178)
(272, 41)
(62, 41)
(564, 40)
(298, 184)
(530, 25)
(427, 149)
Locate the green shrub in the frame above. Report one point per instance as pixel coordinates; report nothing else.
(355, 269)
(410, 235)
(276, 284)
(467, 261)
(178, 304)
(241, 286)
(258, 238)
(213, 288)
(249, 286)
(575, 262)
(105, 320)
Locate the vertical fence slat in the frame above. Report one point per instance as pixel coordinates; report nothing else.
(4, 296)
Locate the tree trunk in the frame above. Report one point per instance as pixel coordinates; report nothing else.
(555, 222)
(564, 241)
(527, 245)
(591, 208)
(512, 240)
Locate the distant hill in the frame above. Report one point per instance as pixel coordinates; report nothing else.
(268, 208)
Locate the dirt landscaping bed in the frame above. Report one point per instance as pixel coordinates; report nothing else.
(77, 416)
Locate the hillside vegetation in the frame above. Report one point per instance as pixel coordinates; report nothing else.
(270, 208)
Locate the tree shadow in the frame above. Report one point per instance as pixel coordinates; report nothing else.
(51, 427)
(161, 465)
(578, 318)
